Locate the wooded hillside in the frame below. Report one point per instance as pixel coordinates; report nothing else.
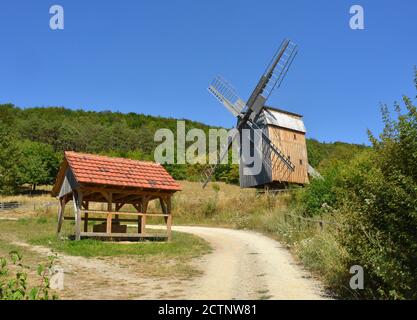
(33, 141)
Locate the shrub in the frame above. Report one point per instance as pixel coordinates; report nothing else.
(320, 194)
(14, 285)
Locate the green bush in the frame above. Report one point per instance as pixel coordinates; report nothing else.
(320, 195)
(14, 284)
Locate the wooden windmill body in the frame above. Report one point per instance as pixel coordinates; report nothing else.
(286, 130)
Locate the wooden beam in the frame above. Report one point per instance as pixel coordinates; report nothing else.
(106, 195)
(61, 208)
(149, 214)
(121, 235)
(86, 216)
(169, 220)
(122, 197)
(139, 207)
(109, 215)
(119, 206)
(101, 219)
(77, 199)
(139, 191)
(130, 198)
(145, 203)
(67, 198)
(163, 207)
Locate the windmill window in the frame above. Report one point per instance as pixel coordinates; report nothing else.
(295, 136)
(301, 161)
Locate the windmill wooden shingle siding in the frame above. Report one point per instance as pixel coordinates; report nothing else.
(286, 130)
(86, 179)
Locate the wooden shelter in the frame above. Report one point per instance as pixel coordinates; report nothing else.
(116, 182)
(286, 130)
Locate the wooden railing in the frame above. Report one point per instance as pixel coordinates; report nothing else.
(9, 205)
(320, 222)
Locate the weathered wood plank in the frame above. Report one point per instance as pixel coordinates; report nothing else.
(121, 235)
(169, 220)
(61, 208)
(101, 219)
(86, 205)
(150, 214)
(145, 203)
(109, 215)
(139, 192)
(77, 199)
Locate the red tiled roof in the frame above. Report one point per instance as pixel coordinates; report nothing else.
(88, 168)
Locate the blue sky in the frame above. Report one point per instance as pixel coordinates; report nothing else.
(157, 57)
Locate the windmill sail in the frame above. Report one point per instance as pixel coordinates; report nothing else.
(221, 154)
(278, 67)
(273, 76)
(226, 94)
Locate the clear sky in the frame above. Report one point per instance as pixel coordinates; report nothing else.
(157, 57)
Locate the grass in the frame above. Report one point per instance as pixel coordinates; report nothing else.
(182, 245)
(149, 259)
(218, 204)
(41, 230)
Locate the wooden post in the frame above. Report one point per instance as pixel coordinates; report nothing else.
(61, 211)
(77, 198)
(169, 220)
(117, 207)
(144, 210)
(86, 217)
(164, 208)
(139, 208)
(109, 215)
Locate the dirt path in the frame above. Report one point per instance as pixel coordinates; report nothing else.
(95, 278)
(248, 265)
(243, 265)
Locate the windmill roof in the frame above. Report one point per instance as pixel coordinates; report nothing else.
(118, 172)
(284, 119)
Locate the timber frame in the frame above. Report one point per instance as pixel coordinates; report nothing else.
(115, 198)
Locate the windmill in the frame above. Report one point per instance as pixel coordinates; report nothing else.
(256, 116)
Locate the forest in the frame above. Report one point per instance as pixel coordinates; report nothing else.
(33, 141)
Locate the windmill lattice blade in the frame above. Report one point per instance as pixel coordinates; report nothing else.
(221, 154)
(226, 94)
(277, 69)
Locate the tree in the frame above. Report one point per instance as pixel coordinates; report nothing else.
(38, 165)
(9, 154)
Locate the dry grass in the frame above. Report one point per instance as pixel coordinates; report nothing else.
(221, 204)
